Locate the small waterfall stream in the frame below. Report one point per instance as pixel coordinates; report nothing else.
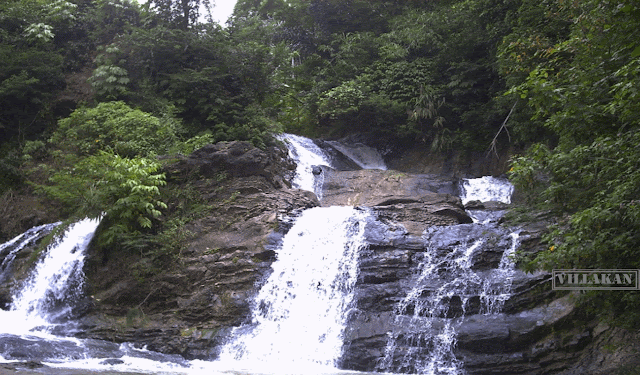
(307, 156)
(48, 294)
(446, 287)
(10, 249)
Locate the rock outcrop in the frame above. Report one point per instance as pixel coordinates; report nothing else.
(189, 307)
(189, 304)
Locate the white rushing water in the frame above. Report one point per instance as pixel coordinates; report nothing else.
(10, 249)
(57, 277)
(299, 314)
(366, 157)
(496, 289)
(486, 189)
(306, 155)
(423, 340)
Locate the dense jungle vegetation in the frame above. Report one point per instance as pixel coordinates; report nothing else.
(91, 91)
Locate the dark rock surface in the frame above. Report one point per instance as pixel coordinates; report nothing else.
(189, 306)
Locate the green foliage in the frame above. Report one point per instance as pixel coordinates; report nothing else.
(28, 79)
(125, 191)
(579, 77)
(109, 80)
(529, 172)
(117, 127)
(341, 101)
(180, 13)
(598, 185)
(10, 175)
(194, 143)
(108, 18)
(255, 127)
(100, 165)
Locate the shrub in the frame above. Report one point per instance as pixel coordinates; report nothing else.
(117, 127)
(123, 190)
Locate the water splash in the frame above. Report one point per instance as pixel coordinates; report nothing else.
(486, 189)
(446, 287)
(424, 337)
(299, 314)
(496, 288)
(10, 249)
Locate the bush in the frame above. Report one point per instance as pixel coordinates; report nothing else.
(123, 190)
(117, 127)
(254, 126)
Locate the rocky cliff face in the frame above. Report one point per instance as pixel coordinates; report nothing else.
(189, 306)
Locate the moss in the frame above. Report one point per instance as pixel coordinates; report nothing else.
(632, 369)
(188, 331)
(209, 251)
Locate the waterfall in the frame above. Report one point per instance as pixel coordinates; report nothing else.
(447, 286)
(496, 289)
(307, 155)
(10, 249)
(300, 312)
(41, 311)
(47, 295)
(366, 157)
(310, 158)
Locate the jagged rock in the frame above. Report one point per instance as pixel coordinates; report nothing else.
(188, 308)
(415, 202)
(236, 159)
(378, 187)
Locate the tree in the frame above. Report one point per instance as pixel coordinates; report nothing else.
(583, 88)
(181, 13)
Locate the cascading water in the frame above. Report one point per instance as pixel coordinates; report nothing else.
(299, 314)
(309, 159)
(486, 189)
(446, 287)
(41, 313)
(10, 249)
(56, 281)
(307, 155)
(496, 288)
(366, 157)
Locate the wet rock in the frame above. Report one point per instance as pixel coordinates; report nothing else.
(187, 307)
(338, 160)
(378, 187)
(112, 361)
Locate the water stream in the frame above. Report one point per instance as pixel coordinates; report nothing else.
(10, 249)
(447, 286)
(299, 314)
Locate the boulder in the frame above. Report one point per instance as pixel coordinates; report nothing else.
(415, 202)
